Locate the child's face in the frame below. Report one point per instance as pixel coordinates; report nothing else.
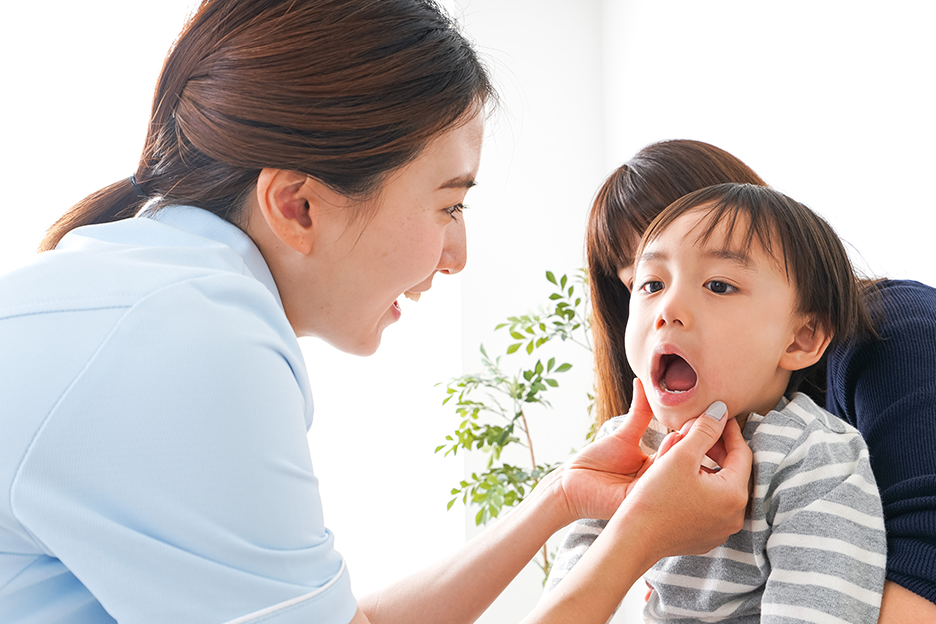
(709, 322)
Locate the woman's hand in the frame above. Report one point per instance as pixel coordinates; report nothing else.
(597, 479)
(671, 488)
(686, 508)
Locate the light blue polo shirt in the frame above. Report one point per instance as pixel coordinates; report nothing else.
(154, 407)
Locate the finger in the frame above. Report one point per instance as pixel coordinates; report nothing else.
(706, 430)
(638, 417)
(717, 453)
(671, 439)
(737, 452)
(640, 407)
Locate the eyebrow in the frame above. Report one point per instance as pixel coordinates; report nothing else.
(738, 258)
(465, 181)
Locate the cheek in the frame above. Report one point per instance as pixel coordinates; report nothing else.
(633, 341)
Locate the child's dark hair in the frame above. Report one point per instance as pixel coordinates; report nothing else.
(806, 247)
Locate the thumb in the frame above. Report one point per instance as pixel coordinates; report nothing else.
(706, 430)
(639, 416)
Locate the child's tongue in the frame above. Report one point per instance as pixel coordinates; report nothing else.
(679, 375)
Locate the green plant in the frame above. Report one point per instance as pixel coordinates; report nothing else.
(492, 405)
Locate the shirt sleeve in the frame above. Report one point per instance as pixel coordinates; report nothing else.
(173, 477)
(884, 387)
(826, 547)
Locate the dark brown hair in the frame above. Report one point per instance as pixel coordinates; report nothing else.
(630, 199)
(829, 292)
(342, 90)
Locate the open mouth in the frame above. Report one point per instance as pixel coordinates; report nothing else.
(412, 296)
(674, 374)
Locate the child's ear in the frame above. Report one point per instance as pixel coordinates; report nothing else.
(807, 345)
(288, 202)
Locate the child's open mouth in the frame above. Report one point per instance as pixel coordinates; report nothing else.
(674, 374)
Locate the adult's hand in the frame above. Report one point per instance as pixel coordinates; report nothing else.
(671, 487)
(694, 509)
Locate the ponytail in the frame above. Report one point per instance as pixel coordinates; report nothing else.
(118, 201)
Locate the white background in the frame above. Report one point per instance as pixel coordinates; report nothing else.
(831, 102)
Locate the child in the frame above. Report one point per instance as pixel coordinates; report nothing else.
(737, 291)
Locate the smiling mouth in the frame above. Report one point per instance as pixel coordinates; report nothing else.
(675, 375)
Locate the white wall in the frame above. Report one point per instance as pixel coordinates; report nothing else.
(830, 102)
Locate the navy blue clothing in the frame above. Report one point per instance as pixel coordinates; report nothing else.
(886, 388)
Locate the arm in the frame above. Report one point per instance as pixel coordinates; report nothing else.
(885, 388)
(902, 606)
(612, 479)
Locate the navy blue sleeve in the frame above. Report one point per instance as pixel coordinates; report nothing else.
(886, 388)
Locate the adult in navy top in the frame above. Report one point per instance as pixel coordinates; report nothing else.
(304, 166)
(885, 388)
(881, 385)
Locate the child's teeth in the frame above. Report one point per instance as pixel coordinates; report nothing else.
(411, 296)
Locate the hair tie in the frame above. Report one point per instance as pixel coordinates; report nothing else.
(136, 187)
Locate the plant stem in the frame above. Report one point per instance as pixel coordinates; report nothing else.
(526, 430)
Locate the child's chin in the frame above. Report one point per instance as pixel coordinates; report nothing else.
(672, 417)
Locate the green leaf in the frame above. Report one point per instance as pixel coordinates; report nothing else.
(517, 335)
(563, 281)
(450, 503)
(563, 368)
(555, 296)
(529, 348)
(512, 348)
(552, 382)
(551, 277)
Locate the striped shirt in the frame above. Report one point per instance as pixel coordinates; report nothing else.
(812, 548)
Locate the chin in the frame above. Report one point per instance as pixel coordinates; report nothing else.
(675, 417)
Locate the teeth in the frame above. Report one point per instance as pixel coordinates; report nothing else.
(412, 296)
(665, 389)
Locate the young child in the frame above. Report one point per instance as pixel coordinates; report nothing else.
(737, 291)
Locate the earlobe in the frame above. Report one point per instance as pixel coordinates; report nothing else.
(284, 198)
(806, 347)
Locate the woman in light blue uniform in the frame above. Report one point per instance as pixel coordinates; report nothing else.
(304, 167)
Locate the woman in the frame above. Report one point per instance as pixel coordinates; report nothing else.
(882, 386)
(304, 167)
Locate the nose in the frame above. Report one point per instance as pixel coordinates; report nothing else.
(674, 310)
(454, 249)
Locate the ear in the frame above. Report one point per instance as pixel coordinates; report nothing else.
(806, 347)
(285, 199)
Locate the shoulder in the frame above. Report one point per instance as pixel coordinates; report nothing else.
(867, 378)
(802, 437)
(802, 422)
(905, 315)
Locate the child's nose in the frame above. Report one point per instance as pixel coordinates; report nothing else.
(674, 310)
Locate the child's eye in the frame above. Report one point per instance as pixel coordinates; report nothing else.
(651, 287)
(720, 288)
(454, 211)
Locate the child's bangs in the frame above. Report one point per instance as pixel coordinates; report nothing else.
(736, 209)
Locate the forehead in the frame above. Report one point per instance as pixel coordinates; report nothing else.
(727, 235)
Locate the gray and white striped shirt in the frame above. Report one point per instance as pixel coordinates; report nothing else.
(812, 548)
